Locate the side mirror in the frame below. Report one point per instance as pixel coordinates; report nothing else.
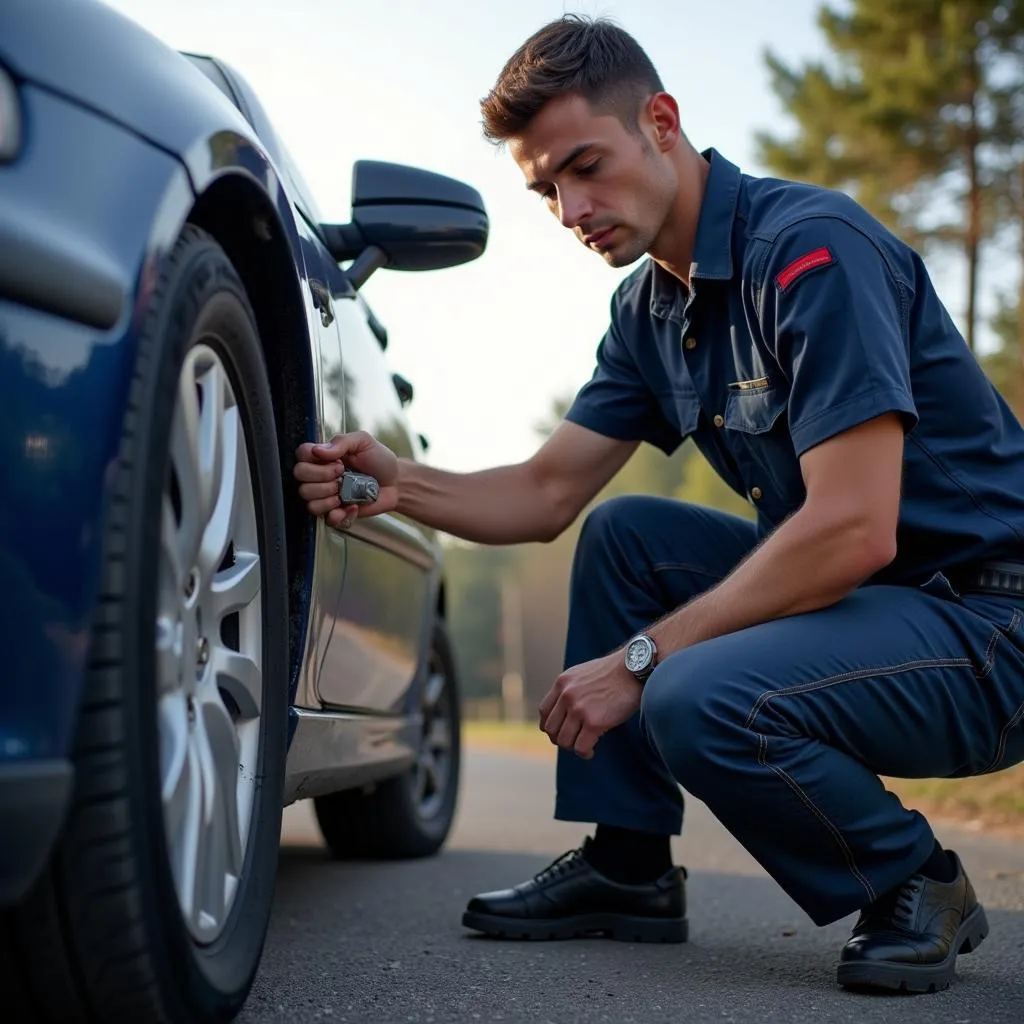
(404, 218)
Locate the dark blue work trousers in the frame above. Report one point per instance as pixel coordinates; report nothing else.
(784, 728)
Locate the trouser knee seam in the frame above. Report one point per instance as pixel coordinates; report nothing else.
(846, 677)
(851, 863)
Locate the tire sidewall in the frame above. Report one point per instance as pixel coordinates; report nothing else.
(205, 299)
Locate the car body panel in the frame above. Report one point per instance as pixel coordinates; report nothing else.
(95, 52)
(89, 209)
(63, 389)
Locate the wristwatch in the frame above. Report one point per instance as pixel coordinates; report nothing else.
(641, 657)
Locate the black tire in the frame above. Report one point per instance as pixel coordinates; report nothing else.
(387, 822)
(101, 937)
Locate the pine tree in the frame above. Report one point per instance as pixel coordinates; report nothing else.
(919, 115)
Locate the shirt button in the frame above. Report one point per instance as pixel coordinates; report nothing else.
(755, 493)
(719, 422)
(690, 343)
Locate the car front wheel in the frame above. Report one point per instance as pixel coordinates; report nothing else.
(156, 903)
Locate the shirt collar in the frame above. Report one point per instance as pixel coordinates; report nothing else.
(712, 248)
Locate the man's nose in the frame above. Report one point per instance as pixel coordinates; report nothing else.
(573, 209)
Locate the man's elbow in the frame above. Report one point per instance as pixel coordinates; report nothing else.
(555, 505)
(870, 545)
(558, 518)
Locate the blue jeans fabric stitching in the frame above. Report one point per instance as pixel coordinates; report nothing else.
(845, 677)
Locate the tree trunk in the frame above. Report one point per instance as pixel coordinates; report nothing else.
(972, 238)
(1020, 287)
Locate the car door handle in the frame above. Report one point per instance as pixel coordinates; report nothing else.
(403, 387)
(322, 301)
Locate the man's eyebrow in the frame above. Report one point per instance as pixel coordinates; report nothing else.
(574, 154)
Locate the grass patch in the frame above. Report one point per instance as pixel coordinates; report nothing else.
(988, 802)
(994, 802)
(518, 737)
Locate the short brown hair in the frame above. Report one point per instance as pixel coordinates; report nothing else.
(592, 58)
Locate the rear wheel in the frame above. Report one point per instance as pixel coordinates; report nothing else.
(409, 815)
(156, 903)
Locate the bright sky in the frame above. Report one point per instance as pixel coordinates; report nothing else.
(488, 346)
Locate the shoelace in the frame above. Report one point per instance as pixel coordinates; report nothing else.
(895, 906)
(905, 901)
(559, 866)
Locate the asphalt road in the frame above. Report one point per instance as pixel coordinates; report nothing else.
(383, 943)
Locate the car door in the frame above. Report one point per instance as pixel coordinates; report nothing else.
(381, 613)
(330, 549)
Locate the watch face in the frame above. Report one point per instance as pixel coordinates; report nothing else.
(638, 654)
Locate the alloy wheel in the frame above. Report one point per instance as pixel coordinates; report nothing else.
(208, 645)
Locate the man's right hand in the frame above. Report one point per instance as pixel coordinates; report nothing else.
(318, 468)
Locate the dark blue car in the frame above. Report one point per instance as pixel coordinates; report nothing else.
(183, 649)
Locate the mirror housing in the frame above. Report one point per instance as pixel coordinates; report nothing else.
(405, 218)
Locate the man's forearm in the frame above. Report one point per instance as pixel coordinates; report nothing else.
(505, 505)
(809, 562)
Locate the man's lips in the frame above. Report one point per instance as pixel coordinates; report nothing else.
(598, 238)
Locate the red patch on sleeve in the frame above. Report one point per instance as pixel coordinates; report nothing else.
(818, 258)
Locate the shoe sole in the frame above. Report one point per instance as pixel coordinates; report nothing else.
(620, 927)
(919, 978)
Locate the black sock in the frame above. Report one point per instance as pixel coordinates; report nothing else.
(939, 866)
(630, 857)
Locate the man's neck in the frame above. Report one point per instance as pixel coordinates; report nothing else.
(673, 249)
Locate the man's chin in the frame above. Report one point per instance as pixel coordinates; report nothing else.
(622, 256)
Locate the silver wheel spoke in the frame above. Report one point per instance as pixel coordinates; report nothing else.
(431, 777)
(185, 460)
(206, 905)
(241, 678)
(177, 787)
(211, 441)
(171, 550)
(433, 690)
(168, 654)
(223, 823)
(439, 736)
(182, 795)
(232, 478)
(236, 587)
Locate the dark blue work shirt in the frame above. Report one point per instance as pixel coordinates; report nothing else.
(804, 317)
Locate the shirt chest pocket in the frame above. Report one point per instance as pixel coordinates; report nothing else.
(754, 410)
(756, 430)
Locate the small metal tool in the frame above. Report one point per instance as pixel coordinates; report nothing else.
(357, 489)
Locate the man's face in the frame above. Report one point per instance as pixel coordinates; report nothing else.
(613, 188)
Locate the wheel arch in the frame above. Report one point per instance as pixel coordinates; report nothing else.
(236, 211)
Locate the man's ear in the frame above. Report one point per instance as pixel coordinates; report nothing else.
(661, 113)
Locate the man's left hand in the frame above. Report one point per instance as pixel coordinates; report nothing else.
(587, 700)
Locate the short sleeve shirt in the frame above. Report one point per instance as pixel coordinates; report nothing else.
(806, 317)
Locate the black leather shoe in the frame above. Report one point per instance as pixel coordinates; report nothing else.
(570, 899)
(908, 939)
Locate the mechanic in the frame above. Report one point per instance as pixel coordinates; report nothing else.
(869, 623)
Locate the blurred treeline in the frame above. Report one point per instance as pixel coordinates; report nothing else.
(919, 114)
